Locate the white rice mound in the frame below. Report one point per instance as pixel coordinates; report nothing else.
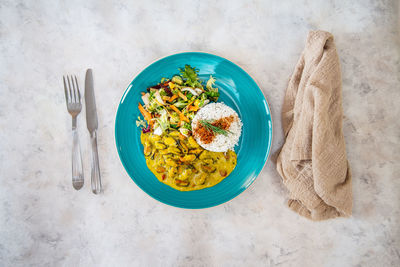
(215, 111)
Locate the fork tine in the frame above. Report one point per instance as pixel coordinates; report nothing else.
(74, 89)
(65, 90)
(69, 87)
(77, 87)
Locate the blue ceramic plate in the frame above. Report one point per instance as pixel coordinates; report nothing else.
(238, 90)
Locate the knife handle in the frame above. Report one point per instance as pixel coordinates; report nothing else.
(95, 178)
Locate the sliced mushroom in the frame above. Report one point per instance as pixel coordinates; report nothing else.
(188, 158)
(169, 141)
(147, 150)
(172, 171)
(196, 151)
(174, 150)
(154, 137)
(163, 151)
(192, 143)
(160, 169)
(186, 174)
(160, 145)
(171, 162)
(184, 147)
(205, 154)
(208, 168)
(182, 183)
(200, 179)
(174, 134)
(223, 173)
(208, 161)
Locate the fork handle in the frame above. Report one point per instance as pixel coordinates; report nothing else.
(77, 170)
(96, 178)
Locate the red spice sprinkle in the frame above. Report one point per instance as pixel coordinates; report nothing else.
(206, 135)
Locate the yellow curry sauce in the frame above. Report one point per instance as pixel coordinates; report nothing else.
(182, 164)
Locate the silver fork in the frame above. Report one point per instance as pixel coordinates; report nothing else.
(74, 107)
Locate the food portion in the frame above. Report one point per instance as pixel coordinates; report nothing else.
(217, 127)
(173, 103)
(182, 164)
(185, 146)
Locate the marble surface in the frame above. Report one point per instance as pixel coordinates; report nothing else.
(44, 222)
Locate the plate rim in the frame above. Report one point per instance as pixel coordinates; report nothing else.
(268, 152)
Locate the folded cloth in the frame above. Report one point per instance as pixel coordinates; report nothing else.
(312, 161)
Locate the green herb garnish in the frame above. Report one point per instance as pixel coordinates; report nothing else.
(212, 94)
(189, 74)
(217, 130)
(187, 126)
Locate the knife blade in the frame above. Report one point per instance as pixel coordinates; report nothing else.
(92, 125)
(90, 101)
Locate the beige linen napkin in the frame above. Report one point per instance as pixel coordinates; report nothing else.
(312, 161)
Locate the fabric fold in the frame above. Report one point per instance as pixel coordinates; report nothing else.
(312, 162)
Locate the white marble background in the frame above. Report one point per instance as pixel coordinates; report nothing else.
(44, 222)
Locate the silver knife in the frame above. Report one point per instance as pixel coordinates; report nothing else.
(91, 122)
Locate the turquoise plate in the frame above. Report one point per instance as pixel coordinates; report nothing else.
(238, 90)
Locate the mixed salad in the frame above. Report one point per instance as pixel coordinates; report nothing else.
(173, 102)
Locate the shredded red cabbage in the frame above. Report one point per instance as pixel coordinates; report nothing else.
(146, 130)
(168, 91)
(161, 85)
